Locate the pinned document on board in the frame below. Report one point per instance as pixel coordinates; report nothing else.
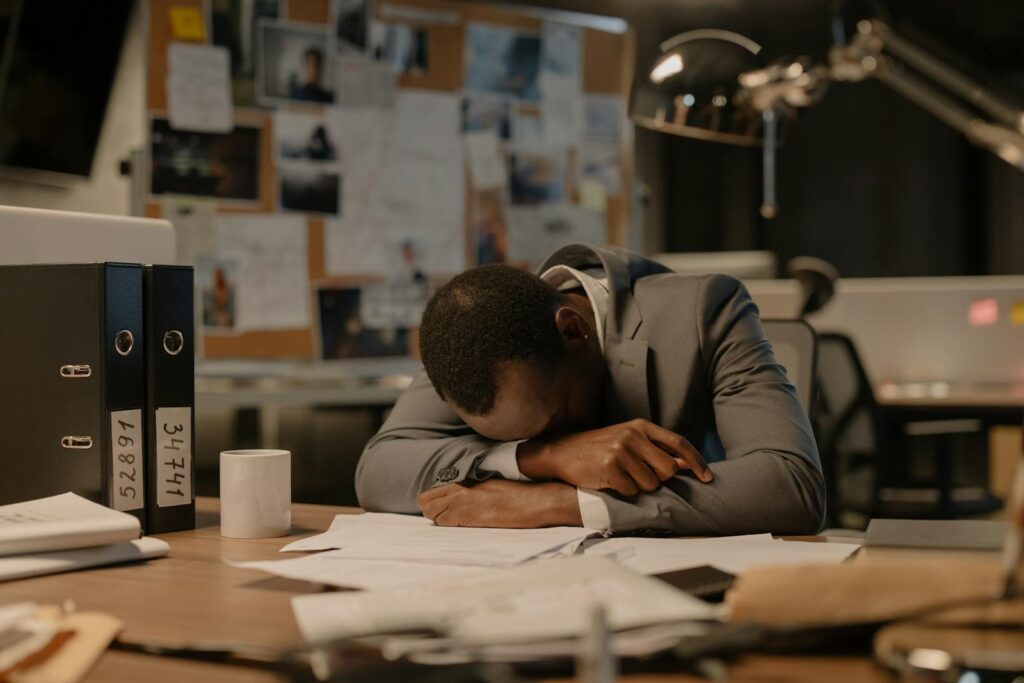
(199, 88)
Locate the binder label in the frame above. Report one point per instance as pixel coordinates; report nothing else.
(127, 484)
(173, 457)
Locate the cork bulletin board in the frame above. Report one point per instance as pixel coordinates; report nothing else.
(372, 150)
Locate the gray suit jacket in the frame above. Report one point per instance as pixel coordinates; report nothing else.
(685, 352)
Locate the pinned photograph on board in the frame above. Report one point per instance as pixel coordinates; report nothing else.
(346, 333)
(233, 25)
(487, 113)
(305, 136)
(351, 21)
(536, 178)
(563, 50)
(293, 63)
(402, 46)
(309, 188)
(502, 60)
(216, 282)
(222, 165)
(489, 227)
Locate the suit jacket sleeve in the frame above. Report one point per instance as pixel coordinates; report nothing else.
(422, 444)
(770, 480)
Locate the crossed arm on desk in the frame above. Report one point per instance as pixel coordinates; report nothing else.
(425, 460)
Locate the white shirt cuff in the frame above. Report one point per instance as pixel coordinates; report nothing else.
(502, 460)
(593, 511)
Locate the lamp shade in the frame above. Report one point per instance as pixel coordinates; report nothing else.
(692, 89)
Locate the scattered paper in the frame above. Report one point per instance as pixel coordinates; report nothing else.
(486, 160)
(535, 232)
(542, 600)
(199, 88)
(331, 569)
(734, 554)
(379, 536)
(273, 274)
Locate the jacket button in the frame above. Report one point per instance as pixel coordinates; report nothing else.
(448, 474)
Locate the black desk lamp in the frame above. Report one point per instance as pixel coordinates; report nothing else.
(711, 85)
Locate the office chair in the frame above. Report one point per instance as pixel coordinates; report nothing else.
(865, 465)
(796, 348)
(817, 280)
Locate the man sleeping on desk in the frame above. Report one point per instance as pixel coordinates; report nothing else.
(609, 393)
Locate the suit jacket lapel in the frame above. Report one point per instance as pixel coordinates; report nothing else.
(627, 397)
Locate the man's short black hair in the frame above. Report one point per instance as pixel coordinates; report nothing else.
(482, 318)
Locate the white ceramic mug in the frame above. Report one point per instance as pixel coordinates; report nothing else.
(255, 493)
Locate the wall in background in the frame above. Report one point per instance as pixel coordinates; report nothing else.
(105, 191)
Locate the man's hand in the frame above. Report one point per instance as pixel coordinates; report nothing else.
(498, 503)
(628, 458)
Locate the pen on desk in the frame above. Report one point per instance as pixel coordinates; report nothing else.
(1013, 548)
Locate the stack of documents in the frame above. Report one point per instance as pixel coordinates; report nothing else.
(67, 532)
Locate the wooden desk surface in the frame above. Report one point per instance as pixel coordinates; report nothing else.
(194, 595)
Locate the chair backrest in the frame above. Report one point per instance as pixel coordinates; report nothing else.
(847, 414)
(796, 349)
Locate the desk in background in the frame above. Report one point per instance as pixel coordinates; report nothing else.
(194, 595)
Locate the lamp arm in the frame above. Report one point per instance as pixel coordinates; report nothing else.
(878, 52)
(948, 77)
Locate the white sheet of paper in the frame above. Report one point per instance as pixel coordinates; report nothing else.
(273, 273)
(605, 117)
(61, 522)
(57, 561)
(562, 110)
(536, 231)
(386, 305)
(334, 569)
(486, 160)
(404, 183)
(562, 50)
(199, 88)
(734, 554)
(545, 599)
(381, 536)
(363, 83)
(193, 229)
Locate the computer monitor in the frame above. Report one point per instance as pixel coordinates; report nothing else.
(44, 236)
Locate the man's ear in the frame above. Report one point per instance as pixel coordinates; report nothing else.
(572, 326)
